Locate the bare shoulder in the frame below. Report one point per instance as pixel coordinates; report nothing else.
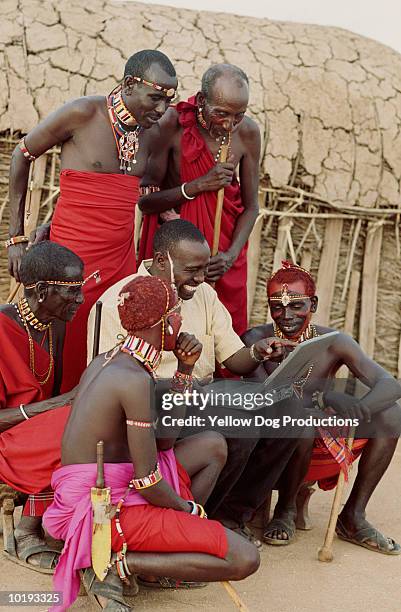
(343, 343)
(257, 333)
(86, 107)
(249, 129)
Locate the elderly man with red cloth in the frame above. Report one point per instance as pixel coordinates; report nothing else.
(185, 163)
(31, 345)
(291, 294)
(160, 528)
(104, 149)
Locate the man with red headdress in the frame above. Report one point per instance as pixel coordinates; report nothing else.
(159, 528)
(185, 162)
(104, 149)
(291, 294)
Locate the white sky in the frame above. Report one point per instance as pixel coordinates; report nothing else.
(378, 19)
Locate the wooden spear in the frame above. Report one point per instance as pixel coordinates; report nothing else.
(325, 553)
(219, 205)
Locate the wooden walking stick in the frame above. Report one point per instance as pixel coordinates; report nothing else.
(101, 532)
(234, 596)
(325, 553)
(219, 205)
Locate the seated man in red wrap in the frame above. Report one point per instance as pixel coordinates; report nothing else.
(185, 162)
(292, 300)
(159, 528)
(104, 149)
(31, 346)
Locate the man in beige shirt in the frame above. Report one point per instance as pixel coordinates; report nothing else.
(180, 245)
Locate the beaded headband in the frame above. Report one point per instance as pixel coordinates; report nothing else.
(95, 275)
(286, 298)
(170, 93)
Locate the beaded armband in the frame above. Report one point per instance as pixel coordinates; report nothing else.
(15, 240)
(25, 151)
(148, 189)
(140, 424)
(181, 382)
(149, 480)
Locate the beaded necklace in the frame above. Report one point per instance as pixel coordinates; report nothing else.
(29, 316)
(22, 309)
(223, 139)
(310, 332)
(127, 141)
(142, 351)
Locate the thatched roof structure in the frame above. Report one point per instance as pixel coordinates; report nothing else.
(328, 103)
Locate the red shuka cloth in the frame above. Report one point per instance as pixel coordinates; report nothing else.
(31, 451)
(94, 217)
(164, 530)
(324, 468)
(18, 385)
(197, 160)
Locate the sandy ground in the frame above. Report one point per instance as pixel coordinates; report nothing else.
(290, 579)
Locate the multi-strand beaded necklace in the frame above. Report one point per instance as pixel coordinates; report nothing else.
(28, 319)
(127, 140)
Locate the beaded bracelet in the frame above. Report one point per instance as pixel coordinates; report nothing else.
(15, 240)
(149, 480)
(318, 400)
(181, 382)
(25, 151)
(253, 355)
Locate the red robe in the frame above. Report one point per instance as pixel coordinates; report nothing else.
(324, 468)
(18, 384)
(25, 449)
(94, 217)
(197, 160)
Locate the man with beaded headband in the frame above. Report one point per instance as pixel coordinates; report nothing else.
(185, 164)
(156, 512)
(292, 300)
(104, 149)
(31, 343)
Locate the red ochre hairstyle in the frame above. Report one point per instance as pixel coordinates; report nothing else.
(143, 301)
(290, 272)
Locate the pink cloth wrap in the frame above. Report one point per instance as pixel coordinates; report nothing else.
(69, 518)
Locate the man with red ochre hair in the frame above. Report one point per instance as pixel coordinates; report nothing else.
(291, 294)
(160, 528)
(185, 164)
(104, 149)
